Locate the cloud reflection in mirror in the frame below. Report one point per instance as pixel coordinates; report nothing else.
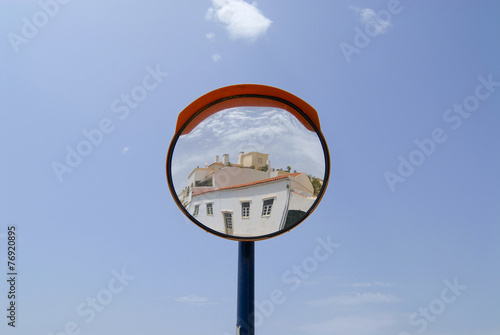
(248, 171)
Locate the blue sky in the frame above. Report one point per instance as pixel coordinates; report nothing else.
(405, 240)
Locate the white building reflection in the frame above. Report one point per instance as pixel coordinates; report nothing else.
(248, 198)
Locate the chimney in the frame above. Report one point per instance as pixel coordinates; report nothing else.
(216, 158)
(225, 159)
(240, 158)
(206, 165)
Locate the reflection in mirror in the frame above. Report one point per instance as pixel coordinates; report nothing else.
(248, 171)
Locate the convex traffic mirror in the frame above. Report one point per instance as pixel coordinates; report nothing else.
(248, 162)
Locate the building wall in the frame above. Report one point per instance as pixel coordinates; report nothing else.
(293, 193)
(255, 159)
(198, 174)
(302, 183)
(301, 202)
(231, 176)
(229, 201)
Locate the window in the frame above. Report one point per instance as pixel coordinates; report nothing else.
(210, 208)
(259, 160)
(266, 208)
(196, 210)
(245, 209)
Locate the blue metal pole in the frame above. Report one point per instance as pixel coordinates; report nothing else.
(245, 320)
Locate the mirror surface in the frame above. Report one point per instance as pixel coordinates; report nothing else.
(248, 171)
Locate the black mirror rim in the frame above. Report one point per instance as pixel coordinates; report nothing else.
(260, 237)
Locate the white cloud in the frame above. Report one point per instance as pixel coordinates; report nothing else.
(352, 325)
(125, 150)
(193, 299)
(366, 284)
(376, 24)
(242, 20)
(210, 36)
(216, 57)
(360, 285)
(377, 283)
(356, 299)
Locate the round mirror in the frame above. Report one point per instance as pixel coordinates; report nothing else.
(248, 162)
